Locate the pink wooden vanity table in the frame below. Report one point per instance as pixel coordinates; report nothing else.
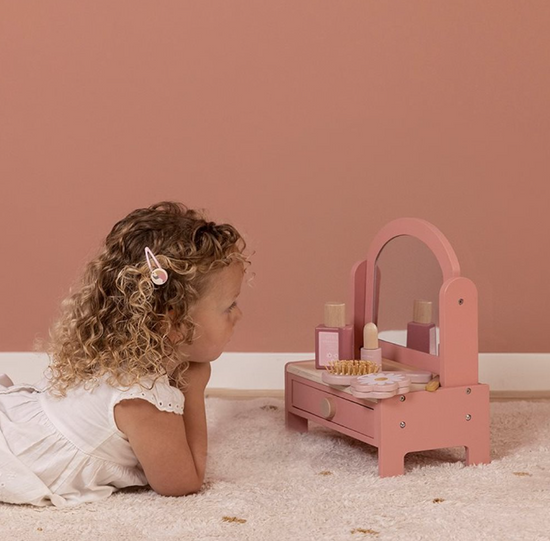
(456, 414)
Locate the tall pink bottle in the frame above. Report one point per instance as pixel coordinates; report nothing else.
(334, 339)
(421, 330)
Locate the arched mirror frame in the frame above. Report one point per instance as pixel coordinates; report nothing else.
(406, 270)
(457, 363)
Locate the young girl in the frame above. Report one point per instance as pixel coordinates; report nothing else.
(122, 403)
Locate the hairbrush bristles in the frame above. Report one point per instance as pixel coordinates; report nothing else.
(352, 368)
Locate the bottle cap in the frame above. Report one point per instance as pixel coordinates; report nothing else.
(422, 311)
(335, 314)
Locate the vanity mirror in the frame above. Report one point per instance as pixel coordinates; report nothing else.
(407, 276)
(409, 260)
(456, 360)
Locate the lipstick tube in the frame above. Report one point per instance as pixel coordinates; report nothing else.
(371, 350)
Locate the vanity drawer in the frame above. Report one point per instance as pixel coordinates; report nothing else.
(341, 411)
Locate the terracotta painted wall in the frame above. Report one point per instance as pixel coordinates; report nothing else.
(308, 124)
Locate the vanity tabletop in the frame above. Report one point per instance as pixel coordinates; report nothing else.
(307, 370)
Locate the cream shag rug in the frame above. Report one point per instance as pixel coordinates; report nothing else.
(264, 483)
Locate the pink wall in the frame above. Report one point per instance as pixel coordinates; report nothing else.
(309, 124)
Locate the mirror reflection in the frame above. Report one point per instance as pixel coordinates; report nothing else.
(408, 282)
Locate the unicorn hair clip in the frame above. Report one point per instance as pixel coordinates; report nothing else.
(158, 275)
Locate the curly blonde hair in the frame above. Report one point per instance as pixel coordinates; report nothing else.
(117, 321)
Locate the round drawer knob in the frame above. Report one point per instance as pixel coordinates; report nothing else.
(328, 408)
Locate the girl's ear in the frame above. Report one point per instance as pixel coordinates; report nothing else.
(175, 335)
(171, 326)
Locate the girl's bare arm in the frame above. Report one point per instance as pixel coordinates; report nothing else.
(171, 451)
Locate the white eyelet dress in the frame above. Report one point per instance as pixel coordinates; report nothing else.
(67, 451)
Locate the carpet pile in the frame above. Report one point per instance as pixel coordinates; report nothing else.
(264, 483)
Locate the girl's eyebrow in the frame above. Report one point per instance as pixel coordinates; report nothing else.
(236, 292)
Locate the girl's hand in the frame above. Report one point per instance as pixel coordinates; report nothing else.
(197, 376)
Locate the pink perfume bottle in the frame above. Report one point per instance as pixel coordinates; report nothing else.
(334, 339)
(421, 330)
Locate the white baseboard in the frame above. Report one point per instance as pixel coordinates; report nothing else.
(512, 374)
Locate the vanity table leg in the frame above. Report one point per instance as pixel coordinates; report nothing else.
(478, 440)
(478, 453)
(294, 422)
(391, 461)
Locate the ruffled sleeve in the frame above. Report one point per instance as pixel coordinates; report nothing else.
(159, 393)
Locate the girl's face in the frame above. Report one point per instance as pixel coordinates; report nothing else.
(215, 315)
